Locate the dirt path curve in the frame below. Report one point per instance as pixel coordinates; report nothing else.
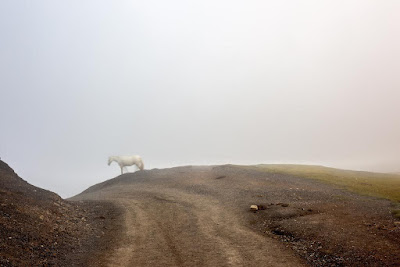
(176, 220)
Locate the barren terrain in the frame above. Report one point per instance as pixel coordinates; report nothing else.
(200, 216)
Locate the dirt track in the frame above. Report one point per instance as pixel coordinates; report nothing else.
(199, 216)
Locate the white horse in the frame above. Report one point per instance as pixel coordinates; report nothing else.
(124, 161)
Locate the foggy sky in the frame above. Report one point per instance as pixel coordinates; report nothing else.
(196, 82)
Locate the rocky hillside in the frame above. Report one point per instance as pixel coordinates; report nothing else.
(40, 228)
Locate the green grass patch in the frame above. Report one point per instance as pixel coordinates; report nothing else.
(396, 213)
(366, 183)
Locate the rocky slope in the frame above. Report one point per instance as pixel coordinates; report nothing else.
(37, 227)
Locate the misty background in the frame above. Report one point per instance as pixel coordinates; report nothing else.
(196, 82)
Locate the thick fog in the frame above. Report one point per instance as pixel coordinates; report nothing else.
(196, 82)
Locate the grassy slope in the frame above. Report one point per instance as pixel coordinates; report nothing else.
(365, 183)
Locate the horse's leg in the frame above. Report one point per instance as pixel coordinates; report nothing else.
(122, 167)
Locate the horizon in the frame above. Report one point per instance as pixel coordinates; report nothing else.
(132, 169)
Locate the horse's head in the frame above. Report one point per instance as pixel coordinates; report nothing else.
(110, 159)
(141, 165)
